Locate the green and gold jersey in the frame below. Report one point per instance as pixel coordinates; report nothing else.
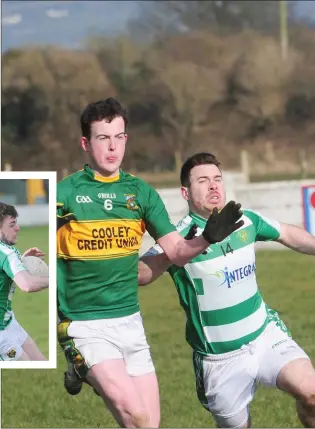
(101, 223)
(10, 265)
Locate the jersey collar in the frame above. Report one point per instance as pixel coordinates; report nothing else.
(98, 178)
(10, 246)
(199, 220)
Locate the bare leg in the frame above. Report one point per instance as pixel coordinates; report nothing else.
(119, 393)
(24, 356)
(298, 379)
(147, 386)
(31, 349)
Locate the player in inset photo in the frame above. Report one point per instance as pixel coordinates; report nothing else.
(27, 272)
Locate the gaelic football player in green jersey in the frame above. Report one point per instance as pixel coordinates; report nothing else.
(103, 213)
(15, 343)
(237, 340)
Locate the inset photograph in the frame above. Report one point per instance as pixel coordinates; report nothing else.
(27, 270)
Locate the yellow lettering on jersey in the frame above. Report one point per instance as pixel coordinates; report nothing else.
(100, 239)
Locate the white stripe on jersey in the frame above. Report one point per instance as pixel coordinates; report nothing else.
(233, 331)
(217, 294)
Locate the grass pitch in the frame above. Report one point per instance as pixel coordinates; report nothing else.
(37, 399)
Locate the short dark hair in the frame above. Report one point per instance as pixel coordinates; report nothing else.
(201, 158)
(104, 109)
(7, 210)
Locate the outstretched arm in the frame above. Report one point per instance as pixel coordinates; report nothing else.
(155, 262)
(179, 251)
(297, 239)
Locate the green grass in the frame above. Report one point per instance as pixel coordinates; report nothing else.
(287, 282)
(31, 310)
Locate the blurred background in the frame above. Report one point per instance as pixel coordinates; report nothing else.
(24, 191)
(232, 77)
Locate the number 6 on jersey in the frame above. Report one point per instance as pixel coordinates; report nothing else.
(108, 204)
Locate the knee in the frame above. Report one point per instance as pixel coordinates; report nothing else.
(131, 417)
(154, 422)
(308, 399)
(134, 419)
(143, 420)
(137, 416)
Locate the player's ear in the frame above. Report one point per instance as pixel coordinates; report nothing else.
(85, 144)
(184, 192)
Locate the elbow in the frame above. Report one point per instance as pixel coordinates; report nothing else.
(144, 274)
(25, 287)
(143, 280)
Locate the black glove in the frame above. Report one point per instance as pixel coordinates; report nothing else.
(192, 232)
(221, 224)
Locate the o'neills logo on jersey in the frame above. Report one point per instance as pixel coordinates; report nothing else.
(105, 196)
(99, 239)
(229, 277)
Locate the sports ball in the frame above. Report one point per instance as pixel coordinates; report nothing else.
(36, 266)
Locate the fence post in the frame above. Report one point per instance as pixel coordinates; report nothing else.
(245, 165)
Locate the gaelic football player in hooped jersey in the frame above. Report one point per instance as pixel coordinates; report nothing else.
(15, 343)
(237, 340)
(102, 212)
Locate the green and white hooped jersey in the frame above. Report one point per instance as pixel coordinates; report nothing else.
(10, 265)
(218, 290)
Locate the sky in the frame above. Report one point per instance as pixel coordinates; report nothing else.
(69, 23)
(65, 23)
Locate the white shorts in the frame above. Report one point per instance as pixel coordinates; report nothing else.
(11, 340)
(118, 338)
(226, 383)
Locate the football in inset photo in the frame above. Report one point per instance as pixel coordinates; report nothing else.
(36, 266)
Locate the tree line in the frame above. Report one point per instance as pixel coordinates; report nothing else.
(193, 75)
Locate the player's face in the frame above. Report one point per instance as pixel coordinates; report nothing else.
(9, 230)
(106, 148)
(206, 190)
